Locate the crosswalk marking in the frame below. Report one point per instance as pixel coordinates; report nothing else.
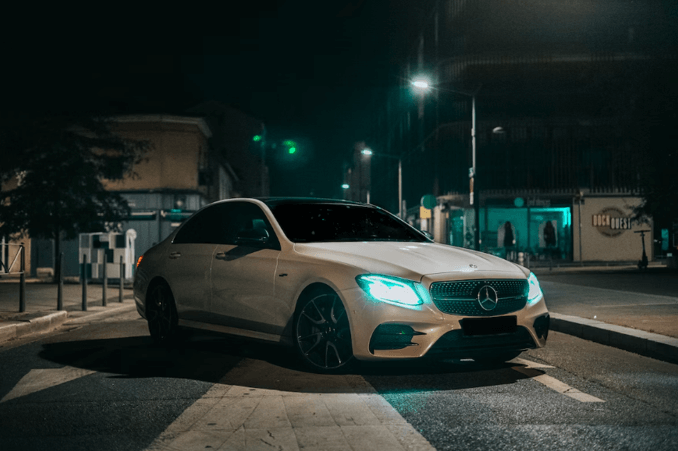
(41, 379)
(556, 385)
(347, 414)
(531, 364)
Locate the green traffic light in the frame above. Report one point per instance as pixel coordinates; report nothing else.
(291, 150)
(256, 138)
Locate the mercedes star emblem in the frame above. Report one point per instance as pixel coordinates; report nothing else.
(488, 298)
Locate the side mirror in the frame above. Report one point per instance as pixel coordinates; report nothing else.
(427, 234)
(252, 237)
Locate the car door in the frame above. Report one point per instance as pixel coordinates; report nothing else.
(243, 274)
(189, 262)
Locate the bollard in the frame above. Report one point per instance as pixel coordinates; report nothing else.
(105, 285)
(22, 281)
(122, 279)
(60, 286)
(84, 282)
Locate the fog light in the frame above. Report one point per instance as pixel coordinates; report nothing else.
(392, 336)
(541, 326)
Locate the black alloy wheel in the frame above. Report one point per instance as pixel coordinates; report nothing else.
(161, 314)
(322, 333)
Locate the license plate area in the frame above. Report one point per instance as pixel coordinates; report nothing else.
(489, 326)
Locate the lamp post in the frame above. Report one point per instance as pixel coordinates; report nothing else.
(474, 199)
(368, 153)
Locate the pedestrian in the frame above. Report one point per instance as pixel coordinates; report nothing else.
(509, 240)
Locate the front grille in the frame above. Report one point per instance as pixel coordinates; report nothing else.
(460, 297)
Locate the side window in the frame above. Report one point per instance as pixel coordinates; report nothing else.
(201, 228)
(245, 215)
(220, 224)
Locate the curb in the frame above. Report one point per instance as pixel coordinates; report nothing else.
(79, 317)
(39, 323)
(644, 343)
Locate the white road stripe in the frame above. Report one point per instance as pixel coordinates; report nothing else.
(41, 379)
(234, 417)
(558, 386)
(531, 364)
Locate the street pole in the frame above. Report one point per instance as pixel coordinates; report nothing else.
(60, 286)
(475, 197)
(263, 168)
(581, 261)
(22, 280)
(400, 188)
(84, 282)
(122, 279)
(104, 287)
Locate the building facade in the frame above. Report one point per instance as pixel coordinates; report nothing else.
(550, 90)
(180, 174)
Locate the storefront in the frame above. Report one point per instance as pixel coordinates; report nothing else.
(608, 232)
(544, 226)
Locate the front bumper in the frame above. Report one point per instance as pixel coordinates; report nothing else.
(409, 333)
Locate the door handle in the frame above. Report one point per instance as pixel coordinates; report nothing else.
(175, 255)
(220, 255)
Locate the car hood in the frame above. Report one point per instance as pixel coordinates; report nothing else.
(412, 260)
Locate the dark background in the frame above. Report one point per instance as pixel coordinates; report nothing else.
(308, 69)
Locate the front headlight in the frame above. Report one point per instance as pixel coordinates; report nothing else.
(535, 292)
(393, 290)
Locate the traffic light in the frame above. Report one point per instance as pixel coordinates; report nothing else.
(291, 146)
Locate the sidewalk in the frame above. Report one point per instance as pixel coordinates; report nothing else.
(41, 313)
(628, 309)
(646, 324)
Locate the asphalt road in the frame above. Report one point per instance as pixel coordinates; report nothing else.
(105, 386)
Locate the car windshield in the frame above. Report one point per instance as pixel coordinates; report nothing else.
(327, 222)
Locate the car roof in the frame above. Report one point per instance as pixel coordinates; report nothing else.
(273, 201)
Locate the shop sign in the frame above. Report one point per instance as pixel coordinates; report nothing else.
(543, 203)
(611, 222)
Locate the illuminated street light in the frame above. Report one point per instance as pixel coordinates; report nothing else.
(367, 152)
(423, 85)
(345, 186)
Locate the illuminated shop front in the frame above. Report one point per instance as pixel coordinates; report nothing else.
(545, 227)
(508, 225)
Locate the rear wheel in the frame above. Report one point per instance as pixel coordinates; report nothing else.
(322, 334)
(162, 314)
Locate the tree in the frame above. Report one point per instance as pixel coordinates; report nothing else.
(52, 167)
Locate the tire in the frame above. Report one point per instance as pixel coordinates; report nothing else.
(163, 321)
(322, 334)
(497, 358)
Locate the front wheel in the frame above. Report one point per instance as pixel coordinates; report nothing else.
(163, 321)
(322, 334)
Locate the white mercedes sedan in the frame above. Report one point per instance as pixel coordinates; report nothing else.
(337, 280)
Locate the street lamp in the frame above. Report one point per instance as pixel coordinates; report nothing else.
(368, 153)
(423, 85)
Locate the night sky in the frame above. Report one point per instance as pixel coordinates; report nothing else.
(310, 70)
